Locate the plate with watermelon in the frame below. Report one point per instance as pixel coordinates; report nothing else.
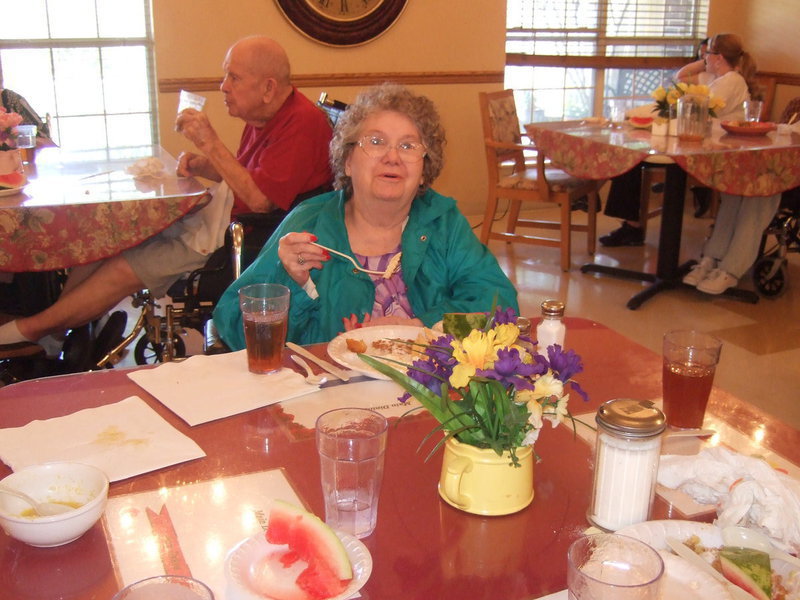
(773, 580)
(641, 122)
(12, 183)
(298, 558)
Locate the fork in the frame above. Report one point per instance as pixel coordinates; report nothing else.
(391, 268)
(310, 377)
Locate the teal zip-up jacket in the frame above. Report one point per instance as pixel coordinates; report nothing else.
(445, 268)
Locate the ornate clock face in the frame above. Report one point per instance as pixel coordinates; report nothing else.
(342, 22)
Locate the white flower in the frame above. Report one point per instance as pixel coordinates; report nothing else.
(547, 386)
(531, 437)
(560, 414)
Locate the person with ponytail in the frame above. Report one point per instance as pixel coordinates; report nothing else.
(733, 246)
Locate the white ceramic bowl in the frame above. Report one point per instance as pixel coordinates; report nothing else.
(63, 482)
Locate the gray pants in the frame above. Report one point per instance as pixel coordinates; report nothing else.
(740, 223)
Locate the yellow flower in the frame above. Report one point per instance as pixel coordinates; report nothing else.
(659, 94)
(682, 86)
(534, 407)
(715, 102)
(476, 351)
(505, 335)
(699, 90)
(673, 95)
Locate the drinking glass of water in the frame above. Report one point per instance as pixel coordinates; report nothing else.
(351, 444)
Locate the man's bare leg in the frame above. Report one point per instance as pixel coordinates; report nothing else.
(106, 287)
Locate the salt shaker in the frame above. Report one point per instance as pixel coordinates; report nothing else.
(551, 329)
(629, 434)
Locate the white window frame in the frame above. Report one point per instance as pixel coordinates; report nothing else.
(53, 43)
(591, 63)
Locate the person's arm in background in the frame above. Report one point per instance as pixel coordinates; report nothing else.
(691, 73)
(13, 102)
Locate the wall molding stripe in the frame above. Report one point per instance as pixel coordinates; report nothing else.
(205, 84)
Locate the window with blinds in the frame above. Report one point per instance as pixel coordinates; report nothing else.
(86, 63)
(566, 58)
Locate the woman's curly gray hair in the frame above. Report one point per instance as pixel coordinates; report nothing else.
(397, 98)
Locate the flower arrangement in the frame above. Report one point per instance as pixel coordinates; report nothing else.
(8, 129)
(666, 98)
(490, 389)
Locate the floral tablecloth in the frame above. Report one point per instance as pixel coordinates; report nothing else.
(45, 238)
(750, 166)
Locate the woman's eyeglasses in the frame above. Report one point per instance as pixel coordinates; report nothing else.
(375, 146)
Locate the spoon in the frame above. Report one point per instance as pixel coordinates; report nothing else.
(42, 509)
(749, 538)
(391, 268)
(310, 377)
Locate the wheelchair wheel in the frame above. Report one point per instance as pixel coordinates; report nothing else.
(769, 276)
(148, 353)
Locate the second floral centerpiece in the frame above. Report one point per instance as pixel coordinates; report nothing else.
(491, 391)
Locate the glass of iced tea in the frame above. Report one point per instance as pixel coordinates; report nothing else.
(265, 310)
(690, 359)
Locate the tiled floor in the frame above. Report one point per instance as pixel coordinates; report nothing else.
(761, 356)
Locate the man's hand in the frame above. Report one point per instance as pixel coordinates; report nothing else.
(195, 165)
(196, 127)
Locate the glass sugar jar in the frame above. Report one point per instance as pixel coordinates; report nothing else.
(629, 434)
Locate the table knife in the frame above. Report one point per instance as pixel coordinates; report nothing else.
(333, 370)
(695, 559)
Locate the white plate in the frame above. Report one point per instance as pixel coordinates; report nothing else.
(11, 191)
(252, 549)
(687, 578)
(337, 347)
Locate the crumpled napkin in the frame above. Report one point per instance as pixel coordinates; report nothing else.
(205, 388)
(124, 439)
(147, 167)
(746, 490)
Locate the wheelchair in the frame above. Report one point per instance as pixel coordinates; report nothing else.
(782, 236)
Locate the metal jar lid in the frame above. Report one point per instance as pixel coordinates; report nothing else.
(631, 418)
(553, 308)
(524, 325)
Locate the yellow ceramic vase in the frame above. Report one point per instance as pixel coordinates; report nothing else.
(478, 481)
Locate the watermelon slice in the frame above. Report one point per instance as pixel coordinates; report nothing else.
(314, 566)
(749, 569)
(14, 179)
(459, 325)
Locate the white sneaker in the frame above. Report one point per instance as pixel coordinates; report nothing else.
(717, 281)
(700, 271)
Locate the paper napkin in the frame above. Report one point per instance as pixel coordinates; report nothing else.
(206, 388)
(123, 439)
(747, 491)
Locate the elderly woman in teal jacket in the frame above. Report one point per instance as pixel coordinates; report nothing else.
(386, 151)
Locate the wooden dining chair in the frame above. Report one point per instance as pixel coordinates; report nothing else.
(512, 180)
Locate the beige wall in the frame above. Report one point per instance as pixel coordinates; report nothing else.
(769, 30)
(430, 36)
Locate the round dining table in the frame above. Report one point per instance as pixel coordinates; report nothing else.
(78, 207)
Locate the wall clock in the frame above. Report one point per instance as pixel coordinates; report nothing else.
(342, 22)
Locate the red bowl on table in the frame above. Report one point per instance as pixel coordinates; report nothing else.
(748, 127)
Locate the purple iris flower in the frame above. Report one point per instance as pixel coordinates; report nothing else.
(510, 370)
(565, 365)
(441, 351)
(428, 373)
(502, 317)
